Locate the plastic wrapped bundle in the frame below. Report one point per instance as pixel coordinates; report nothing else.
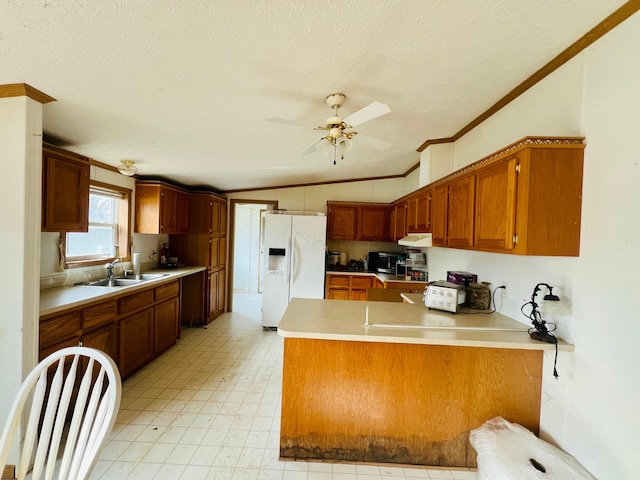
(508, 451)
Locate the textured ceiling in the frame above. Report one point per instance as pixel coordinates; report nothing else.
(183, 88)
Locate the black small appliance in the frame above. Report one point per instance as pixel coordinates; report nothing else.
(383, 262)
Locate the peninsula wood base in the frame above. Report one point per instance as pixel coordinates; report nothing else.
(401, 403)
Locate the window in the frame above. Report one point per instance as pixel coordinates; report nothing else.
(108, 235)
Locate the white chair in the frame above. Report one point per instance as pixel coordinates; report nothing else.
(82, 375)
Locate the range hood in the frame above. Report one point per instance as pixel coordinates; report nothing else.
(416, 240)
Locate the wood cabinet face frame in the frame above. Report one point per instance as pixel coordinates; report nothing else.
(526, 199)
(461, 211)
(439, 215)
(161, 208)
(342, 222)
(65, 193)
(496, 206)
(372, 223)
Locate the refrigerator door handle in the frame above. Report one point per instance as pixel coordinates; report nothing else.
(294, 264)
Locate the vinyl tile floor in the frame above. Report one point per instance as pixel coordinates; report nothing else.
(209, 408)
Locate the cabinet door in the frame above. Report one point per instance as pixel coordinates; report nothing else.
(423, 212)
(401, 221)
(223, 219)
(222, 251)
(439, 206)
(56, 329)
(461, 211)
(391, 227)
(217, 294)
(165, 327)
(359, 287)
(182, 222)
(337, 287)
(221, 300)
(65, 194)
(372, 223)
(338, 294)
(136, 341)
(168, 211)
(495, 206)
(104, 339)
(412, 214)
(342, 222)
(215, 217)
(214, 262)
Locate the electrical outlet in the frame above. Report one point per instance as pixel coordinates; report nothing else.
(504, 288)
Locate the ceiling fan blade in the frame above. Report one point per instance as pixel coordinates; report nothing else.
(311, 148)
(372, 142)
(371, 111)
(284, 121)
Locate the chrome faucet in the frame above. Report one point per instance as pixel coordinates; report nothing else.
(110, 267)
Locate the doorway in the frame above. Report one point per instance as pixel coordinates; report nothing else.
(245, 258)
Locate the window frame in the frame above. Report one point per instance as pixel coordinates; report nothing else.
(124, 232)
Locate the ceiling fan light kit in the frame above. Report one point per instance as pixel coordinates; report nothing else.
(338, 136)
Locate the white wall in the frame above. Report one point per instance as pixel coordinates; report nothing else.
(20, 195)
(590, 411)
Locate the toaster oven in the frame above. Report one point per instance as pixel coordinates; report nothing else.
(445, 296)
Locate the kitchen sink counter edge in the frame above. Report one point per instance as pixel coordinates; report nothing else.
(54, 300)
(394, 322)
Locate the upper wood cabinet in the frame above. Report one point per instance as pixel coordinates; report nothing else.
(419, 212)
(525, 200)
(161, 208)
(65, 191)
(496, 206)
(397, 221)
(357, 221)
(461, 212)
(372, 223)
(439, 215)
(549, 199)
(342, 221)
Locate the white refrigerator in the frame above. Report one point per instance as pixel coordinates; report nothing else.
(294, 261)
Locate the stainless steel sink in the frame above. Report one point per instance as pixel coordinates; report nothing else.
(141, 277)
(114, 282)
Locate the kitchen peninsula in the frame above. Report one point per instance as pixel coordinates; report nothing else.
(405, 389)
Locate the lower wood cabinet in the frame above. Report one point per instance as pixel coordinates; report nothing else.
(131, 328)
(104, 339)
(354, 287)
(348, 287)
(217, 294)
(136, 341)
(165, 327)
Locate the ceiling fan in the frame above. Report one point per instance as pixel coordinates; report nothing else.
(338, 131)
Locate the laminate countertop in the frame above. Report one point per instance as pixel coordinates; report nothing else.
(383, 277)
(395, 322)
(53, 300)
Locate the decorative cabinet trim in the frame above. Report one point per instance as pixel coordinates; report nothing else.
(526, 142)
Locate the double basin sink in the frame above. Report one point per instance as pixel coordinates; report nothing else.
(126, 281)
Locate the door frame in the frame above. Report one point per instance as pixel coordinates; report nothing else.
(233, 202)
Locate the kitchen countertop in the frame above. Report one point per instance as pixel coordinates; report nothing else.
(394, 322)
(383, 277)
(54, 300)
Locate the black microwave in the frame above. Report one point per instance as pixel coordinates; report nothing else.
(383, 262)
